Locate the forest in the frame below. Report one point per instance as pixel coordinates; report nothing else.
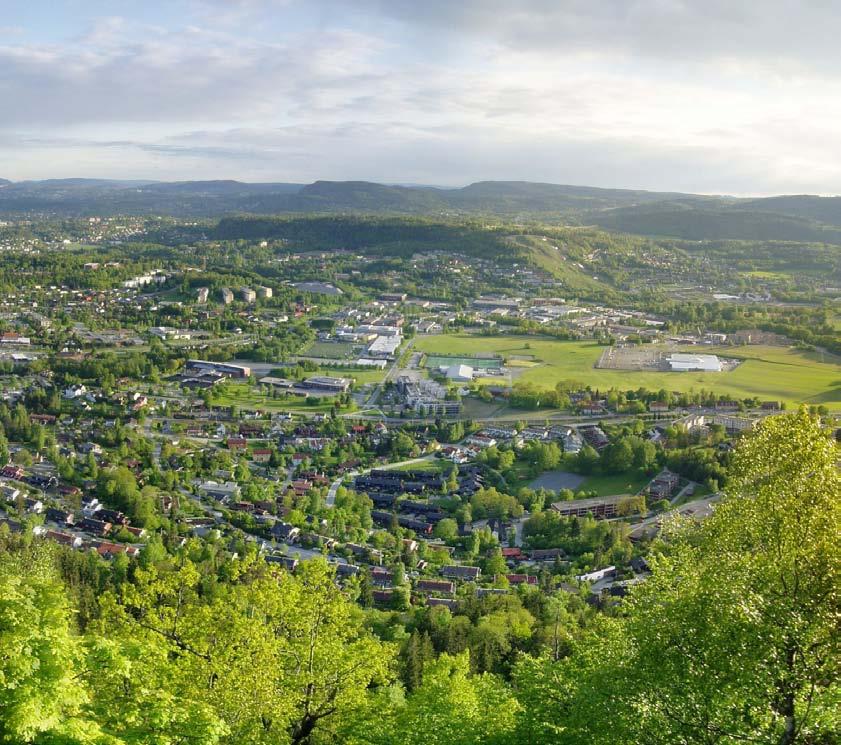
(733, 638)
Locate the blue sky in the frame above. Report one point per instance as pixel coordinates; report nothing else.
(714, 96)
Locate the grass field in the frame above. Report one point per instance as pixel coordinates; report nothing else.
(772, 373)
(608, 486)
(329, 350)
(247, 397)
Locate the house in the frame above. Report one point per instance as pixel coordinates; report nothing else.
(95, 527)
(346, 570)
(597, 575)
(59, 516)
(65, 539)
(286, 562)
(74, 391)
(382, 577)
(440, 586)
(261, 455)
(237, 443)
(383, 597)
(16, 473)
(112, 516)
(108, 550)
(546, 554)
(455, 571)
(446, 602)
(285, 532)
(223, 492)
(521, 579)
(33, 505)
(482, 592)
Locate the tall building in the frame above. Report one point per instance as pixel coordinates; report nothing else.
(248, 295)
(264, 292)
(202, 294)
(227, 296)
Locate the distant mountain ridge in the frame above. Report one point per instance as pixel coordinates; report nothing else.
(803, 218)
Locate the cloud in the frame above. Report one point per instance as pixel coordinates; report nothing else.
(663, 94)
(119, 73)
(780, 33)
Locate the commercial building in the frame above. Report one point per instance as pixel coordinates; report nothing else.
(327, 384)
(224, 368)
(385, 346)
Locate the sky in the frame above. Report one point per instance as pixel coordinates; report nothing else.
(707, 96)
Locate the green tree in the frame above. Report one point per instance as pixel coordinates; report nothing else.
(734, 638)
(40, 657)
(450, 706)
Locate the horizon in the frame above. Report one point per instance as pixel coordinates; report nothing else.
(441, 187)
(713, 99)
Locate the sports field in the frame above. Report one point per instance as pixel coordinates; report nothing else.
(770, 373)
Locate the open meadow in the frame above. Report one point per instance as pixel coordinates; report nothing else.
(769, 373)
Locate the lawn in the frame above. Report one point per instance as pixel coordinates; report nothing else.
(772, 373)
(607, 486)
(248, 397)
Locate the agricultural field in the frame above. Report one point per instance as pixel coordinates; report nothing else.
(773, 373)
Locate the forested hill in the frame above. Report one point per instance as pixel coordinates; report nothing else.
(387, 235)
(693, 217)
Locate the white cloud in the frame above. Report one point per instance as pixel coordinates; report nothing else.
(663, 94)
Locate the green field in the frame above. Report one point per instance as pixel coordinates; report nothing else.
(770, 373)
(608, 486)
(329, 350)
(248, 397)
(436, 361)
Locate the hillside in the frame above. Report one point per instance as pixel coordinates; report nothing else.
(681, 220)
(800, 218)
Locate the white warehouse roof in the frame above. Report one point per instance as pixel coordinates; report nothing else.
(681, 362)
(460, 372)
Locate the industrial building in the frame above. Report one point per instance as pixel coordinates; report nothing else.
(679, 362)
(460, 373)
(385, 346)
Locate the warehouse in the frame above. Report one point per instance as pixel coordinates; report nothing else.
(691, 362)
